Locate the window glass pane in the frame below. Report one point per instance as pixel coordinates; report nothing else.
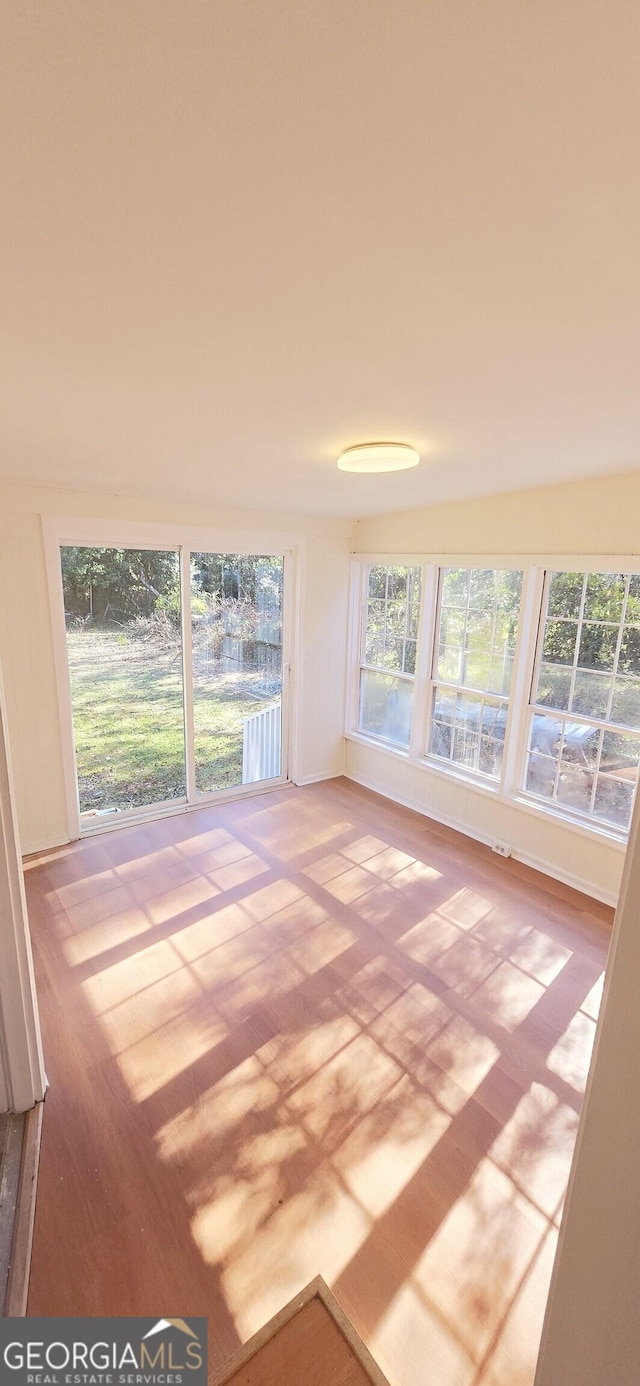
(625, 707)
(591, 694)
(397, 616)
(620, 754)
(413, 618)
(410, 657)
(392, 615)
(561, 760)
(614, 800)
(124, 647)
(476, 670)
(629, 662)
(393, 653)
(560, 642)
(449, 665)
(565, 594)
(604, 597)
(377, 584)
(633, 600)
(482, 588)
(617, 779)
(574, 786)
(501, 673)
(397, 584)
(236, 617)
(597, 647)
(455, 587)
(554, 686)
(453, 625)
(480, 627)
(468, 731)
(374, 648)
(479, 610)
(385, 706)
(590, 668)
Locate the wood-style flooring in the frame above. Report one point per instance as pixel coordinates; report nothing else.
(311, 1033)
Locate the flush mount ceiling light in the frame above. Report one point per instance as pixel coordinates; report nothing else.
(378, 457)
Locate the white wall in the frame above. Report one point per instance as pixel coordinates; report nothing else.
(22, 1076)
(26, 644)
(591, 1335)
(590, 863)
(599, 518)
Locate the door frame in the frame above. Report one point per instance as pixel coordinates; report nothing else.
(60, 531)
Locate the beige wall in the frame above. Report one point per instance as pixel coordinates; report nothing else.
(26, 644)
(599, 517)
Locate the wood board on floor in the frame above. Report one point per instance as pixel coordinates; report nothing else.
(310, 1340)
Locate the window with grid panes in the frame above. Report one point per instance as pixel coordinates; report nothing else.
(388, 651)
(472, 667)
(584, 732)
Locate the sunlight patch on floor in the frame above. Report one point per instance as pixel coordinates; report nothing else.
(535, 1148)
(429, 939)
(508, 995)
(107, 934)
(473, 1266)
(389, 1145)
(170, 1049)
(317, 1231)
(570, 1058)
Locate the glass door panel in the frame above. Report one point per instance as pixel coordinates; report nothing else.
(124, 647)
(236, 620)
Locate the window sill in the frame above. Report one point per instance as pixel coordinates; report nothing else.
(601, 833)
(387, 747)
(517, 800)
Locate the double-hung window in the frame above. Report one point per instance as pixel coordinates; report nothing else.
(389, 633)
(473, 658)
(584, 717)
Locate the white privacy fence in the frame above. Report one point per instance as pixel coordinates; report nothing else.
(262, 745)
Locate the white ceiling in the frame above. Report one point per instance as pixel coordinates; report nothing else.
(240, 235)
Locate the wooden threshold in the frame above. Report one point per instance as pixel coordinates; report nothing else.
(310, 1339)
(17, 1285)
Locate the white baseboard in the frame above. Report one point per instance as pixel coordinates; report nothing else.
(545, 868)
(29, 849)
(315, 779)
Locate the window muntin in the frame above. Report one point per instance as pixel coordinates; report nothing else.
(584, 732)
(388, 654)
(473, 665)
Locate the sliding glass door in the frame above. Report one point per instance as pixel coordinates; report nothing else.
(236, 633)
(124, 647)
(175, 662)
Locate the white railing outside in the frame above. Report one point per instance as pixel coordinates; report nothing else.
(262, 745)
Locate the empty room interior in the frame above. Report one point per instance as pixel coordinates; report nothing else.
(320, 652)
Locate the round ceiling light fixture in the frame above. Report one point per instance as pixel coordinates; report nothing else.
(378, 457)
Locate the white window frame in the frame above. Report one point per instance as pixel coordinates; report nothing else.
(439, 762)
(357, 643)
(564, 716)
(62, 531)
(534, 568)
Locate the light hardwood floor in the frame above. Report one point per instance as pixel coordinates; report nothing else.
(311, 1033)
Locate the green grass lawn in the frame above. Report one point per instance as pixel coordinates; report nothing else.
(126, 694)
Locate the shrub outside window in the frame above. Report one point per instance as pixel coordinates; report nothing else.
(584, 733)
(388, 653)
(473, 665)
